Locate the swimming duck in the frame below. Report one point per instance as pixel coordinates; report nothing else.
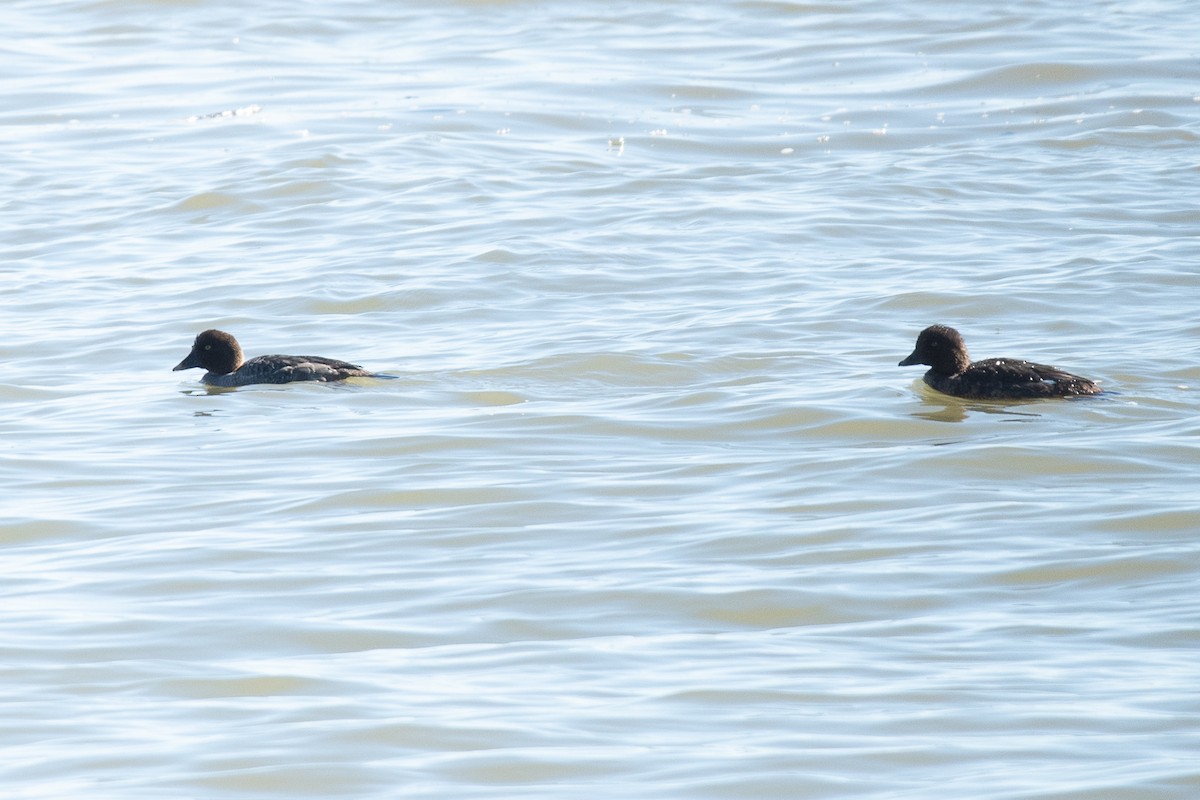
(219, 353)
(953, 372)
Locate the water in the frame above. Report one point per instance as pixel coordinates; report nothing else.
(649, 511)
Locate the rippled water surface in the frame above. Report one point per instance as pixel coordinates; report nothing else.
(649, 510)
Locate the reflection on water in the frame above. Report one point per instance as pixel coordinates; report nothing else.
(941, 407)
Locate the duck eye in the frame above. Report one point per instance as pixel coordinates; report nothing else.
(208, 347)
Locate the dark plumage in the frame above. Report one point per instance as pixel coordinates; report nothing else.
(219, 353)
(952, 371)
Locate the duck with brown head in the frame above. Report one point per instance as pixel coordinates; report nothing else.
(951, 371)
(220, 355)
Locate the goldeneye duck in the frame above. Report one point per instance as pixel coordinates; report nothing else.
(952, 371)
(219, 353)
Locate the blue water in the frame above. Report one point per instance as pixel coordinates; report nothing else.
(649, 511)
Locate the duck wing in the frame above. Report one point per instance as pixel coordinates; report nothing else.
(1015, 378)
(286, 369)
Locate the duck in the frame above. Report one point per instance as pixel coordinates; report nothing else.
(220, 354)
(952, 372)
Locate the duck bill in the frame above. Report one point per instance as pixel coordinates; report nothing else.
(192, 360)
(908, 362)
